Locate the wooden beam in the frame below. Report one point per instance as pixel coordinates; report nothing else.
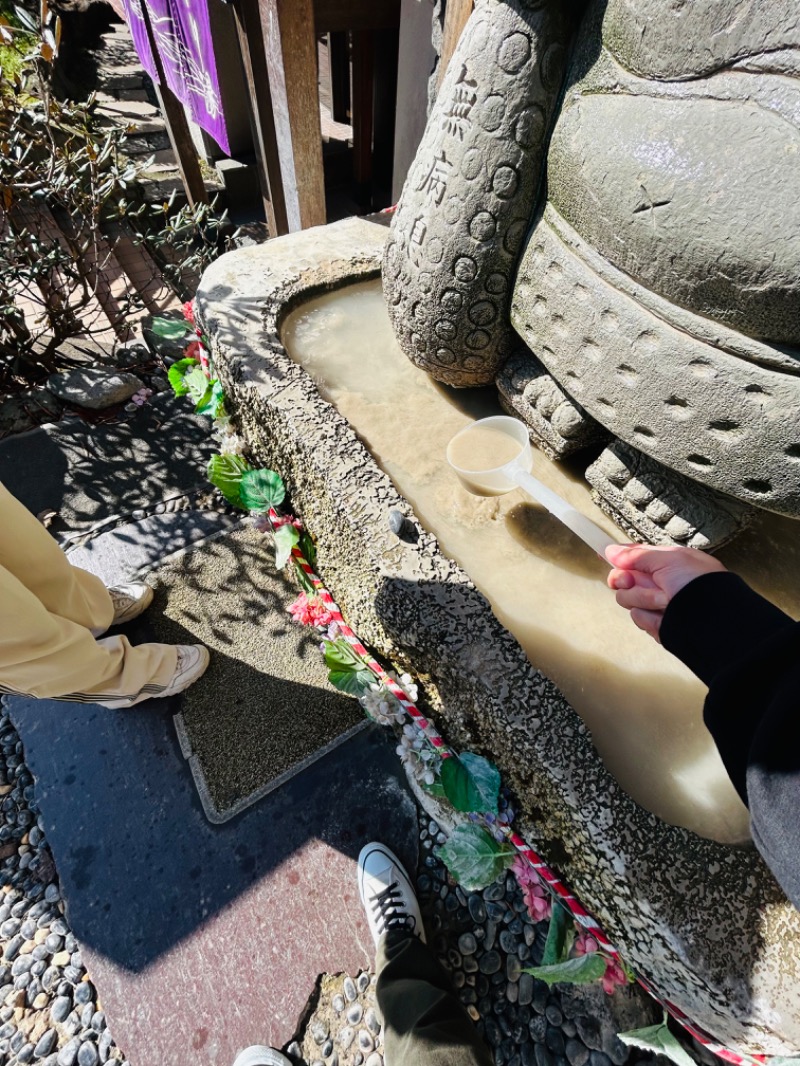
(262, 121)
(291, 55)
(333, 15)
(386, 44)
(177, 125)
(455, 18)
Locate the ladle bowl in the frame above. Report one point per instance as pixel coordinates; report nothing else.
(515, 473)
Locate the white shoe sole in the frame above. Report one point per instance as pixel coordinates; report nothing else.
(259, 1055)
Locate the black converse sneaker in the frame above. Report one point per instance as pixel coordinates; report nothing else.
(386, 893)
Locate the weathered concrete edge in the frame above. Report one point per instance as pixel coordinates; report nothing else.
(693, 917)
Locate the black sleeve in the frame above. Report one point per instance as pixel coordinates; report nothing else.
(748, 653)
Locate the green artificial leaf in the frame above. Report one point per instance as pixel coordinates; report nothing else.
(303, 579)
(471, 783)
(474, 857)
(580, 971)
(198, 387)
(169, 328)
(353, 682)
(263, 489)
(308, 548)
(225, 471)
(213, 400)
(558, 943)
(176, 374)
(339, 655)
(659, 1039)
(285, 539)
(436, 789)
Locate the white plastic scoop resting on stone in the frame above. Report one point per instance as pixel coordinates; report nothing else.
(493, 456)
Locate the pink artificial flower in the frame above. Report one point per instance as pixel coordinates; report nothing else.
(310, 612)
(613, 977)
(536, 896)
(188, 311)
(585, 944)
(192, 350)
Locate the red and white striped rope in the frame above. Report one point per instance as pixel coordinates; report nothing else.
(547, 875)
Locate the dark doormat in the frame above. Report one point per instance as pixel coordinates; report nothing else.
(265, 709)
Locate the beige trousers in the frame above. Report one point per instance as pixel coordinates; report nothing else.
(48, 609)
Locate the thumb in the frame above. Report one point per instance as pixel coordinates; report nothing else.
(641, 557)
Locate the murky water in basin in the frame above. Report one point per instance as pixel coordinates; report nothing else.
(643, 707)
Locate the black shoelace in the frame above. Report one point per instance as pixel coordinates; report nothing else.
(389, 906)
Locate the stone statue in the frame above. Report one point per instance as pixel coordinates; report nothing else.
(658, 294)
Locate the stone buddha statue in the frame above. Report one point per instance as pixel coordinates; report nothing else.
(603, 218)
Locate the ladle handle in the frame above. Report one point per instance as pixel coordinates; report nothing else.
(580, 525)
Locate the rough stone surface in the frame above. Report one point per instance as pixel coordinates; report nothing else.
(93, 388)
(657, 506)
(466, 204)
(653, 379)
(557, 424)
(23, 410)
(663, 895)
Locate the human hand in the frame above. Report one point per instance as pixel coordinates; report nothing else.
(645, 579)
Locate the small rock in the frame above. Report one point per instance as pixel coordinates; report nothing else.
(69, 1053)
(94, 388)
(355, 1014)
(577, 1053)
(346, 1037)
(338, 1003)
(41, 1001)
(327, 1049)
(363, 982)
(365, 1041)
(553, 1014)
(477, 909)
(371, 1021)
(84, 993)
(47, 1041)
(61, 1007)
(375, 1059)
(467, 944)
(319, 1031)
(87, 1054)
(25, 1053)
(490, 962)
(349, 989)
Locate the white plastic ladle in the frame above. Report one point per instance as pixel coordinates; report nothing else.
(516, 473)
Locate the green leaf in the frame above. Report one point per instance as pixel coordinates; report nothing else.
(169, 328)
(558, 943)
(285, 539)
(212, 401)
(471, 783)
(436, 789)
(262, 489)
(474, 857)
(339, 655)
(580, 971)
(197, 385)
(354, 683)
(308, 548)
(176, 374)
(659, 1039)
(303, 579)
(225, 471)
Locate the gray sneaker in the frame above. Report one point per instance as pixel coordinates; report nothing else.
(129, 602)
(387, 893)
(193, 660)
(259, 1055)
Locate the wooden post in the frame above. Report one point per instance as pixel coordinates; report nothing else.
(455, 18)
(291, 55)
(262, 121)
(386, 43)
(177, 126)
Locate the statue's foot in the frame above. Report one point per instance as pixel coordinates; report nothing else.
(656, 505)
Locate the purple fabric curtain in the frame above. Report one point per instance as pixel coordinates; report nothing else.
(182, 35)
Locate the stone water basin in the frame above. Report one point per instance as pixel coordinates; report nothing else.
(703, 921)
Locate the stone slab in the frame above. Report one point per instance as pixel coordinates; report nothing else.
(204, 939)
(265, 707)
(94, 475)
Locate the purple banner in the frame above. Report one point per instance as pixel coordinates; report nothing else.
(182, 36)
